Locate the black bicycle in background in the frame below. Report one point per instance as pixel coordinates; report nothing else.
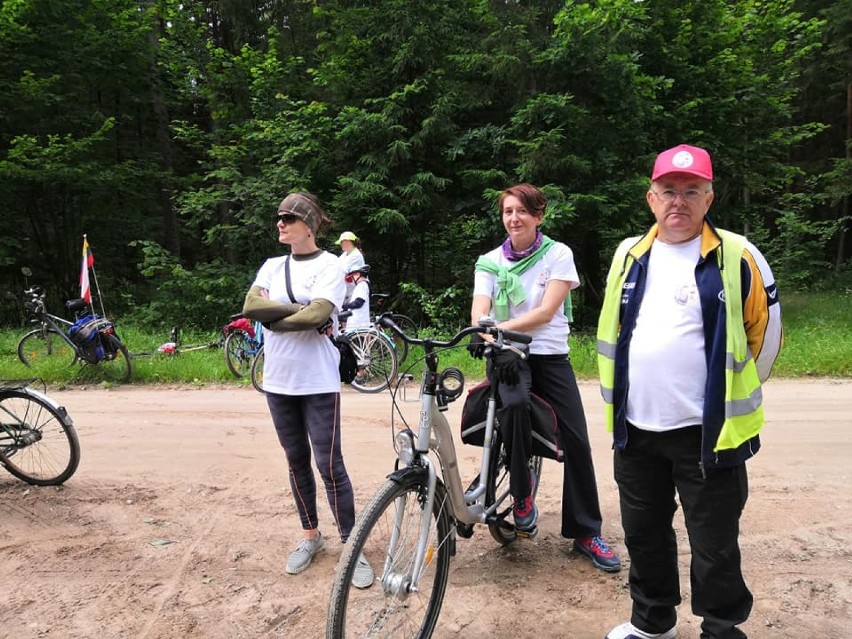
(90, 340)
(38, 443)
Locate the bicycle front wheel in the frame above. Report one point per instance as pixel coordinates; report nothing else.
(257, 370)
(377, 362)
(38, 443)
(238, 352)
(497, 490)
(43, 346)
(387, 534)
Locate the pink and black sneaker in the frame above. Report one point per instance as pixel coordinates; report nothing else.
(525, 513)
(596, 549)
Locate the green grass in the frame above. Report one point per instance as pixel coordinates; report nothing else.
(817, 343)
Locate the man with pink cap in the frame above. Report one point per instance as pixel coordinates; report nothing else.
(689, 330)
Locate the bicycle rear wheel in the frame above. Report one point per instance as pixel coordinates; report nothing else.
(238, 352)
(43, 346)
(387, 534)
(377, 361)
(116, 365)
(257, 370)
(410, 328)
(497, 490)
(38, 443)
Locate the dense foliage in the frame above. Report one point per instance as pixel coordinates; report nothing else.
(168, 131)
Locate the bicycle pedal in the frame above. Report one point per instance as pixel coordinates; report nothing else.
(526, 534)
(464, 530)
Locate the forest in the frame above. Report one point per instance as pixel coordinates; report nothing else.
(167, 132)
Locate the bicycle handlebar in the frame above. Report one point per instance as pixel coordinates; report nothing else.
(386, 321)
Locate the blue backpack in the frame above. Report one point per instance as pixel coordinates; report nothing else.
(85, 333)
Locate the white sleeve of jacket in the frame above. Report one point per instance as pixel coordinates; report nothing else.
(762, 314)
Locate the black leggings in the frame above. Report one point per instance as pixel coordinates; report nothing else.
(551, 377)
(305, 422)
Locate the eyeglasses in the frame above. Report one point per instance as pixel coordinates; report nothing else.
(286, 218)
(670, 195)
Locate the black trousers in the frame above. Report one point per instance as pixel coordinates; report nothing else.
(552, 378)
(649, 471)
(303, 423)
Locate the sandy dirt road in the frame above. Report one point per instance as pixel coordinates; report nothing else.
(179, 520)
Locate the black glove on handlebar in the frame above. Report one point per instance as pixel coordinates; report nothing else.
(506, 367)
(476, 346)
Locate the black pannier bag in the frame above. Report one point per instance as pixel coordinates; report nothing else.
(545, 433)
(348, 361)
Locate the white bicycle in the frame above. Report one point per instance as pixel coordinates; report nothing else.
(408, 529)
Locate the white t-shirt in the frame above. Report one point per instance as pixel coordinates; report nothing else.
(301, 362)
(557, 264)
(667, 367)
(360, 317)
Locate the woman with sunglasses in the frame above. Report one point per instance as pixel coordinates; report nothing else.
(295, 296)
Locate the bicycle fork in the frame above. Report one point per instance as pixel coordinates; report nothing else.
(397, 584)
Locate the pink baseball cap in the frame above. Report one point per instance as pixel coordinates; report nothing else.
(684, 159)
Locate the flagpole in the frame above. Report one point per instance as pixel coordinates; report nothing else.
(98, 288)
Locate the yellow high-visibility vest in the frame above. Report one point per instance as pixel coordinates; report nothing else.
(743, 394)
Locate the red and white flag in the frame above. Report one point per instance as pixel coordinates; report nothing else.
(88, 261)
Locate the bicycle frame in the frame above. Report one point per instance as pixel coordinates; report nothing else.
(467, 506)
(61, 325)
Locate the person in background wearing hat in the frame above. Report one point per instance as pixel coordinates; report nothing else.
(359, 302)
(689, 330)
(351, 257)
(523, 285)
(295, 297)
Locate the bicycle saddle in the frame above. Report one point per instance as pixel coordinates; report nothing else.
(75, 305)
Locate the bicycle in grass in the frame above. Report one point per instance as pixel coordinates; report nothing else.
(240, 338)
(408, 530)
(90, 340)
(38, 443)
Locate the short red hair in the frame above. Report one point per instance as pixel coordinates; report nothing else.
(529, 195)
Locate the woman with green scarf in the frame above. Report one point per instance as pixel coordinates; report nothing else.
(524, 285)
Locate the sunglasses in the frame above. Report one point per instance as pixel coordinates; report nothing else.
(286, 218)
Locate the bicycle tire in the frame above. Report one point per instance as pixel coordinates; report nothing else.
(116, 365)
(41, 346)
(387, 534)
(238, 355)
(410, 328)
(257, 370)
(377, 360)
(38, 443)
(497, 487)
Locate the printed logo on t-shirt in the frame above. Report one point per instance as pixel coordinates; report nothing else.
(543, 278)
(686, 294)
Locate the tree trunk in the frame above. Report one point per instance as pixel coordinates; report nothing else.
(171, 228)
